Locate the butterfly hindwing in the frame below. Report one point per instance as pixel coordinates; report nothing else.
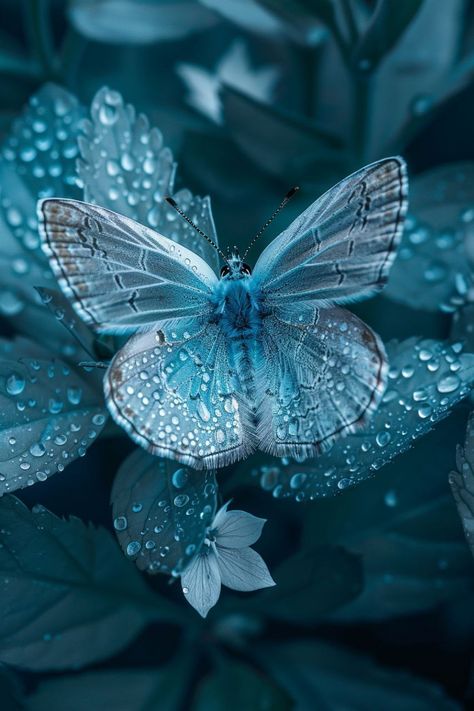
(121, 275)
(321, 381)
(341, 248)
(176, 396)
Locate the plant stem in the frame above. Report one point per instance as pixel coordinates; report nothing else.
(350, 22)
(39, 32)
(362, 94)
(70, 55)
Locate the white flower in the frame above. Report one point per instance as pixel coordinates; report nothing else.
(226, 559)
(235, 70)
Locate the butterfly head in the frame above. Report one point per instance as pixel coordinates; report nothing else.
(235, 267)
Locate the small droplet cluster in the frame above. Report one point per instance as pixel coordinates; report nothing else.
(49, 418)
(426, 378)
(161, 512)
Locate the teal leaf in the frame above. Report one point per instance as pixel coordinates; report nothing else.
(404, 527)
(310, 585)
(425, 381)
(387, 24)
(138, 23)
(120, 152)
(49, 414)
(37, 159)
(69, 596)
(160, 688)
(435, 262)
(11, 692)
(323, 676)
(235, 686)
(462, 483)
(161, 511)
(304, 149)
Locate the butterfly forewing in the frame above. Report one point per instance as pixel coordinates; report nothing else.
(121, 275)
(341, 248)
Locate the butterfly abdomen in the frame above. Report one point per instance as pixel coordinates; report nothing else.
(238, 315)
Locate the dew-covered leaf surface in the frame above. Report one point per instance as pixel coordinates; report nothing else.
(69, 597)
(426, 379)
(126, 168)
(50, 414)
(161, 511)
(322, 676)
(434, 266)
(462, 483)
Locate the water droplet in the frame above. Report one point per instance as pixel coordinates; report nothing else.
(15, 384)
(391, 498)
(297, 480)
(448, 384)
(179, 478)
(37, 449)
(181, 500)
(133, 548)
(383, 438)
(120, 523)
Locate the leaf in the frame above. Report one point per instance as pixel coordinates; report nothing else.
(36, 160)
(404, 527)
(248, 14)
(325, 676)
(425, 381)
(11, 692)
(49, 414)
(234, 686)
(138, 22)
(118, 689)
(435, 262)
(302, 17)
(69, 596)
(311, 584)
(462, 483)
(119, 152)
(258, 129)
(161, 511)
(387, 24)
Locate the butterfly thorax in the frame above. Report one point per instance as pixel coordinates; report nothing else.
(236, 308)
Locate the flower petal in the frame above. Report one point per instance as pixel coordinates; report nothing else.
(237, 529)
(243, 569)
(201, 582)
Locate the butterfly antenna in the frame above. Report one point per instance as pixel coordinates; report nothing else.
(176, 207)
(280, 207)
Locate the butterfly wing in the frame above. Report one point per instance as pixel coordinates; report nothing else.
(177, 396)
(341, 248)
(320, 381)
(120, 275)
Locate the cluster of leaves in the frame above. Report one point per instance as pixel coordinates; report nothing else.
(275, 92)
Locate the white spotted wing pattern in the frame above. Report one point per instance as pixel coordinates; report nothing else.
(220, 367)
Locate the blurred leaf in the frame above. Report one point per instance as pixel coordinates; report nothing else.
(327, 677)
(387, 24)
(280, 143)
(138, 21)
(462, 327)
(235, 686)
(120, 152)
(426, 379)
(233, 69)
(49, 414)
(69, 596)
(311, 584)
(119, 689)
(161, 511)
(298, 19)
(462, 483)
(416, 76)
(11, 692)
(403, 525)
(435, 262)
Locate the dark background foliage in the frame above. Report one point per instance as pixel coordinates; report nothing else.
(374, 603)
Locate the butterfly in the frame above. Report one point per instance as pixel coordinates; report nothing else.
(220, 366)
